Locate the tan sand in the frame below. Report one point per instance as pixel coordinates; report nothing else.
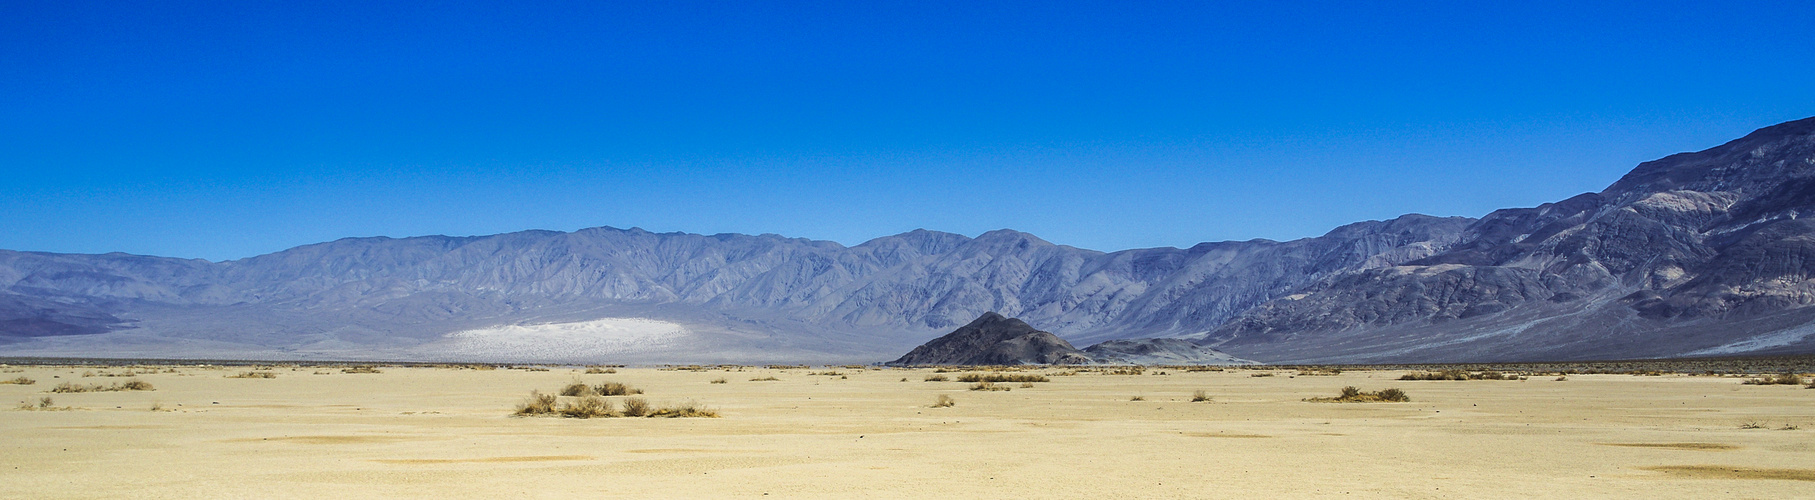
(447, 433)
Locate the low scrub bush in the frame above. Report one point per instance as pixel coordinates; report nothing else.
(615, 389)
(1002, 377)
(944, 401)
(636, 407)
(588, 407)
(685, 410)
(254, 375)
(130, 385)
(537, 404)
(1351, 394)
(578, 389)
(19, 381)
(936, 378)
(1779, 379)
(719, 380)
(764, 379)
(600, 371)
(361, 369)
(987, 386)
(1200, 397)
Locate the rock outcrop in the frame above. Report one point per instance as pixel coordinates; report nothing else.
(993, 339)
(1694, 254)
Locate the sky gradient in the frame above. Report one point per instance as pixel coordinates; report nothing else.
(226, 130)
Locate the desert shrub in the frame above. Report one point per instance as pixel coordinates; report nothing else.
(134, 385)
(764, 379)
(598, 371)
(721, 380)
(1027, 385)
(1130, 370)
(636, 407)
(1200, 397)
(944, 401)
(1779, 379)
(537, 404)
(45, 402)
(615, 389)
(1451, 374)
(1563, 378)
(588, 407)
(1752, 425)
(1137, 398)
(1002, 377)
(578, 389)
(1261, 374)
(684, 410)
(987, 386)
(19, 381)
(254, 375)
(361, 369)
(936, 378)
(1351, 394)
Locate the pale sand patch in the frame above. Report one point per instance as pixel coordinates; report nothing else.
(871, 436)
(1731, 472)
(486, 460)
(1677, 446)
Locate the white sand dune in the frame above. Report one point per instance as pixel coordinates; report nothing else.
(556, 341)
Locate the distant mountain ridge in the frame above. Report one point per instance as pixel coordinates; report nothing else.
(1697, 253)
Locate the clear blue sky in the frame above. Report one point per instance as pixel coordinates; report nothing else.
(224, 130)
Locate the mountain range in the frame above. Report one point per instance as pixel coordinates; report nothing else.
(1701, 253)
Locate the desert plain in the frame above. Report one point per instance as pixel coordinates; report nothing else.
(871, 432)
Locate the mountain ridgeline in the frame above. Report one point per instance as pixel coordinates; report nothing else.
(1695, 254)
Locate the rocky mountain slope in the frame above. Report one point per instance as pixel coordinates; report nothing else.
(1697, 253)
(993, 339)
(738, 297)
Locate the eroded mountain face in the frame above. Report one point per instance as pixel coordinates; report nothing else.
(1701, 253)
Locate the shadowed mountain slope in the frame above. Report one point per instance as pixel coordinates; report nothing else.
(995, 340)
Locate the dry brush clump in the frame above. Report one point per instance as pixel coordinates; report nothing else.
(936, 378)
(719, 380)
(1779, 379)
(19, 381)
(765, 379)
(254, 375)
(130, 385)
(988, 386)
(615, 389)
(537, 404)
(1200, 397)
(44, 404)
(594, 370)
(944, 401)
(361, 369)
(594, 405)
(1351, 394)
(1002, 377)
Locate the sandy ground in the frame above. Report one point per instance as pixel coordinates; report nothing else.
(447, 433)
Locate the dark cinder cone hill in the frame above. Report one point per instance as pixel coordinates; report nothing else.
(993, 339)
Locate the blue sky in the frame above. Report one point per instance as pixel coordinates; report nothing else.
(225, 130)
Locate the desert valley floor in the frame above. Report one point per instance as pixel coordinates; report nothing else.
(864, 432)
